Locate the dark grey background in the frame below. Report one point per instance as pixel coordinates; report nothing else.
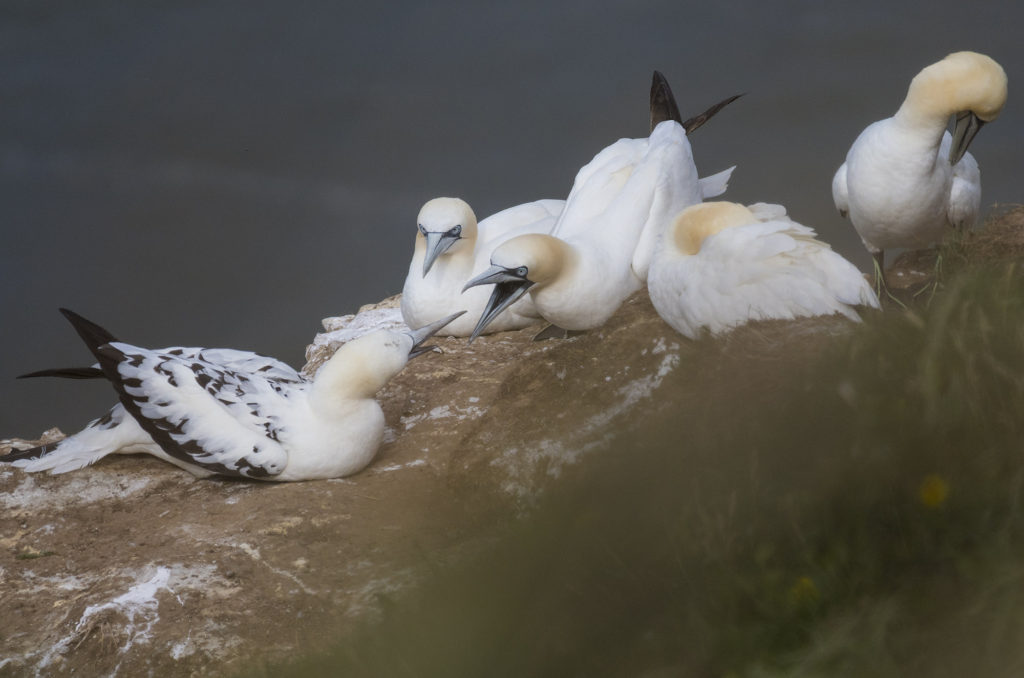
(227, 173)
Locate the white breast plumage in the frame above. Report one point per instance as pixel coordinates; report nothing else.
(906, 180)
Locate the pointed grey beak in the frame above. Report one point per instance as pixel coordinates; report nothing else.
(508, 288)
(437, 244)
(967, 125)
(422, 334)
(494, 275)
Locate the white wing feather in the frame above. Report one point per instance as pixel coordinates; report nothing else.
(774, 269)
(965, 194)
(716, 184)
(538, 216)
(841, 191)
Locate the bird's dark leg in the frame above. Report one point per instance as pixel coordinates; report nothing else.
(553, 331)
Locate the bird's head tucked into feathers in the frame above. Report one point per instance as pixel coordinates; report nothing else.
(967, 85)
(697, 222)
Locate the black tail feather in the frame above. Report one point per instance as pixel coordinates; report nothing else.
(92, 334)
(66, 373)
(663, 104)
(30, 453)
(698, 120)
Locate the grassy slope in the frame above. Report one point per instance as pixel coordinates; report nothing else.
(797, 504)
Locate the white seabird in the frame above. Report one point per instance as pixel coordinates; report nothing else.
(599, 251)
(451, 248)
(234, 413)
(721, 265)
(906, 179)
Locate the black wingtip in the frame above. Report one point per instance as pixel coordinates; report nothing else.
(66, 373)
(92, 334)
(698, 120)
(30, 453)
(663, 103)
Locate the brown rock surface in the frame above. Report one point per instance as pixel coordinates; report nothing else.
(133, 566)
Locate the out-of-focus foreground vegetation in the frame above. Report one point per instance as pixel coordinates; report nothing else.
(797, 503)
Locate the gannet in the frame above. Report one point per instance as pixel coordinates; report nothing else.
(721, 265)
(599, 251)
(451, 248)
(234, 413)
(906, 179)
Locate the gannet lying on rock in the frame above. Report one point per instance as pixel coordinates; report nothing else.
(234, 413)
(906, 179)
(599, 251)
(451, 248)
(721, 265)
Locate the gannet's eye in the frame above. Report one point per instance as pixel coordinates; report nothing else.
(456, 231)
(422, 230)
(522, 271)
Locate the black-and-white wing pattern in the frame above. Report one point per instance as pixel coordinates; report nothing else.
(209, 407)
(245, 362)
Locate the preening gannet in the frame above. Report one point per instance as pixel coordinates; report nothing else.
(234, 413)
(906, 179)
(721, 265)
(451, 248)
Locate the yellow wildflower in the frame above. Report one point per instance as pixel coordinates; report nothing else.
(804, 591)
(933, 491)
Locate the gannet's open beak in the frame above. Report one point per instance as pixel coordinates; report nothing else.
(509, 286)
(422, 334)
(437, 244)
(966, 126)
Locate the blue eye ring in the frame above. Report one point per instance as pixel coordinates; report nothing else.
(522, 271)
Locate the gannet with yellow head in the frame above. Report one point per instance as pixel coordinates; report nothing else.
(451, 248)
(722, 264)
(233, 413)
(906, 179)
